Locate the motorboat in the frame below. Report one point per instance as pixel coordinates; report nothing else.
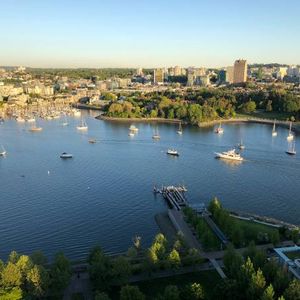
(92, 141)
(172, 152)
(219, 130)
(133, 128)
(35, 129)
(231, 155)
(66, 155)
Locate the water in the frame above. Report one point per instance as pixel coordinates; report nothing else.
(104, 194)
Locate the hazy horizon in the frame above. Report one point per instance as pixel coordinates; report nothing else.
(132, 34)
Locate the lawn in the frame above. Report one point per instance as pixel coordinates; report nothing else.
(293, 254)
(266, 115)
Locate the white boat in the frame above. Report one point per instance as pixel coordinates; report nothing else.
(219, 130)
(3, 152)
(66, 155)
(30, 120)
(291, 149)
(290, 136)
(179, 131)
(241, 145)
(82, 126)
(274, 132)
(173, 152)
(92, 141)
(76, 112)
(131, 133)
(156, 135)
(133, 128)
(231, 155)
(20, 120)
(35, 128)
(65, 122)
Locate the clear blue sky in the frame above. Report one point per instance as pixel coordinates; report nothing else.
(148, 33)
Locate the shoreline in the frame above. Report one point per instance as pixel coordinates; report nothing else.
(285, 124)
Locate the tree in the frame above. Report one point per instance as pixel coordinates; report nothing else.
(121, 270)
(24, 264)
(174, 259)
(11, 276)
(293, 291)
(38, 281)
(129, 292)
(101, 296)
(194, 291)
(257, 285)
(269, 106)
(13, 257)
(232, 262)
(268, 293)
(38, 258)
(248, 107)
(171, 292)
(60, 273)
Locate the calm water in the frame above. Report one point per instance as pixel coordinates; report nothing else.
(104, 194)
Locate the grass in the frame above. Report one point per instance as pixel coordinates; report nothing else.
(282, 116)
(293, 255)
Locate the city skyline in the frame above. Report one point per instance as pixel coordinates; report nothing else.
(149, 35)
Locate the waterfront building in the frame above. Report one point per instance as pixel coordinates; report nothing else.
(159, 76)
(293, 265)
(240, 71)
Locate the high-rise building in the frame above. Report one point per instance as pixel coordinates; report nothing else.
(177, 71)
(159, 76)
(229, 74)
(240, 71)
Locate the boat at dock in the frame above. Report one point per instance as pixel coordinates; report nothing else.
(291, 149)
(230, 155)
(66, 155)
(172, 152)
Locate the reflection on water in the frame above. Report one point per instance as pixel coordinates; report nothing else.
(104, 194)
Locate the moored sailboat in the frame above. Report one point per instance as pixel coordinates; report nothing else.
(179, 131)
(274, 132)
(290, 135)
(291, 149)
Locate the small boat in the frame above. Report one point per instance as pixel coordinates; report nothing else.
(3, 152)
(30, 120)
(20, 120)
(76, 112)
(179, 131)
(65, 122)
(241, 146)
(219, 130)
(291, 149)
(35, 129)
(274, 132)
(172, 152)
(82, 126)
(92, 141)
(290, 135)
(133, 128)
(131, 133)
(66, 155)
(231, 155)
(156, 135)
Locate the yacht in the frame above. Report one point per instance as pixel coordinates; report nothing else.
(231, 155)
(172, 152)
(179, 131)
(291, 149)
(274, 132)
(133, 128)
(290, 135)
(219, 130)
(66, 155)
(82, 126)
(3, 152)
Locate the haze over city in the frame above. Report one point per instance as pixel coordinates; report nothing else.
(148, 33)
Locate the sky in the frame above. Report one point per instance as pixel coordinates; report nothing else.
(148, 33)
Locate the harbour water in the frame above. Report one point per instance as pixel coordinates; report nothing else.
(103, 195)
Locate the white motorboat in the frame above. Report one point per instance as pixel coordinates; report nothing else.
(274, 132)
(291, 149)
(83, 126)
(133, 128)
(3, 152)
(66, 155)
(231, 155)
(172, 152)
(290, 136)
(219, 130)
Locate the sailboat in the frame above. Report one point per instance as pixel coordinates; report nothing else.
(82, 126)
(156, 135)
(219, 130)
(179, 131)
(291, 149)
(35, 128)
(3, 152)
(274, 132)
(65, 122)
(290, 135)
(241, 145)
